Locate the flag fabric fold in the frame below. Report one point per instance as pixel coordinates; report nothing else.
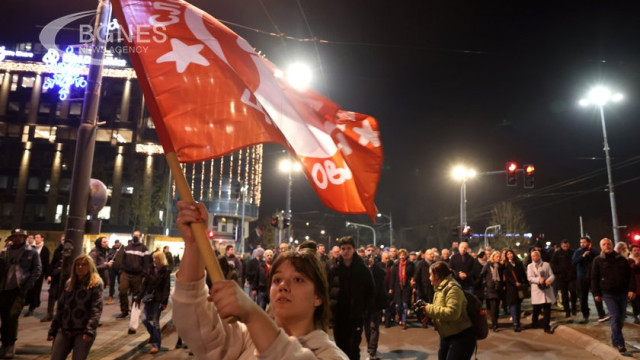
(209, 93)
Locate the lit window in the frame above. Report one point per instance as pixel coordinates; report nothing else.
(75, 108)
(127, 189)
(105, 213)
(14, 82)
(45, 108)
(27, 82)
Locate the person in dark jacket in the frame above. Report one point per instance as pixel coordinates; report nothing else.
(260, 279)
(79, 309)
(99, 256)
(565, 273)
(493, 286)
(400, 285)
(33, 296)
(134, 263)
(170, 262)
(54, 280)
(113, 270)
(583, 261)
(155, 297)
(351, 295)
(612, 281)
(19, 268)
(463, 265)
(514, 277)
(424, 289)
(374, 315)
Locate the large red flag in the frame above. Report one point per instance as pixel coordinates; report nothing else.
(209, 93)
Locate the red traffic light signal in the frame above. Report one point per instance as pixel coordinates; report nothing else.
(529, 180)
(512, 169)
(274, 221)
(211, 234)
(635, 237)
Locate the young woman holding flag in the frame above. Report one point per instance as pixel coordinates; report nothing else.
(293, 329)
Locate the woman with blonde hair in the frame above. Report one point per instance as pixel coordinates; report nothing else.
(298, 314)
(491, 275)
(78, 312)
(155, 298)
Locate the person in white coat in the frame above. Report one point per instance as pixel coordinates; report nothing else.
(299, 308)
(541, 277)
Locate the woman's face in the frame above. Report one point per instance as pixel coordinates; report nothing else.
(435, 281)
(496, 257)
(293, 296)
(82, 268)
(509, 255)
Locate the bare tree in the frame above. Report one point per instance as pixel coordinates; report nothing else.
(512, 221)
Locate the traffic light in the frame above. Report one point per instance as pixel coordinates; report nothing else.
(211, 234)
(512, 169)
(529, 180)
(274, 221)
(634, 238)
(466, 232)
(285, 223)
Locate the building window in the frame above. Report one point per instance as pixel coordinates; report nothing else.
(105, 213)
(13, 106)
(47, 186)
(60, 212)
(45, 108)
(33, 184)
(127, 190)
(4, 181)
(28, 81)
(14, 82)
(75, 109)
(7, 209)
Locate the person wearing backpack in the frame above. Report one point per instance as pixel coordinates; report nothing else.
(449, 314)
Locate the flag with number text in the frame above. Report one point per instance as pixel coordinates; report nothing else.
(209, 93)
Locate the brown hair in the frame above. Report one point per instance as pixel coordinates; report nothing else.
(306, 262)
(440, 269)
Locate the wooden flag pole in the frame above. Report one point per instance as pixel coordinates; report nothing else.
(197, 228)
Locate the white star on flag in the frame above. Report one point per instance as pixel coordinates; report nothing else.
(183, 55)
(367, 135)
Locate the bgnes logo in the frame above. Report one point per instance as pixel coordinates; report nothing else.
(113, 34)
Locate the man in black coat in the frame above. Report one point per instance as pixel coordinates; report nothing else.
(54, 280)
(565, 274)
(352, 293)
(33, 296)
(374, 315)
(613, 282)
(463, 266)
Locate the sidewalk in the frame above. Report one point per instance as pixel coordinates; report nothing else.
(112, 341)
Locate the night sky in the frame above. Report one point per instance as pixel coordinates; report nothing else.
(478, 83)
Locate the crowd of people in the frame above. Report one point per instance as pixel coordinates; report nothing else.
(285, 300)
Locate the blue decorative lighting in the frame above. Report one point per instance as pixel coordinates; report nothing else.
(65, 71)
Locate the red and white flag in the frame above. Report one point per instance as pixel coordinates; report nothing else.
(209, 93)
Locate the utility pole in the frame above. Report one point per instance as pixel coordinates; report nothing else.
(85, 144)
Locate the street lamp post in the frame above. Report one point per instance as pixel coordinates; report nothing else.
(390, 226)
(599, 97)
(244, 194)
(287, 165)
(463, 174)
(349, 223)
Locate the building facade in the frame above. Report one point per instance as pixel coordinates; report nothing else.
(38, 141)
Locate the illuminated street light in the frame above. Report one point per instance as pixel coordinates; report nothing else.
(600, 96)
(463, 174)
(299, 76)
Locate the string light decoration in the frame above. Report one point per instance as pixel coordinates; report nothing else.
(66, 72)
(211, 179)
(220, 185)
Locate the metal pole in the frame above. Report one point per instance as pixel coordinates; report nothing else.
(85, 144)
(612, 197)
(390, 230)
(244, 191)
(463, 208)
(581, 228)
(288, 209)
(486, 241)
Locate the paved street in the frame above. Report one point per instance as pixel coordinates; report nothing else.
(570, 341)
